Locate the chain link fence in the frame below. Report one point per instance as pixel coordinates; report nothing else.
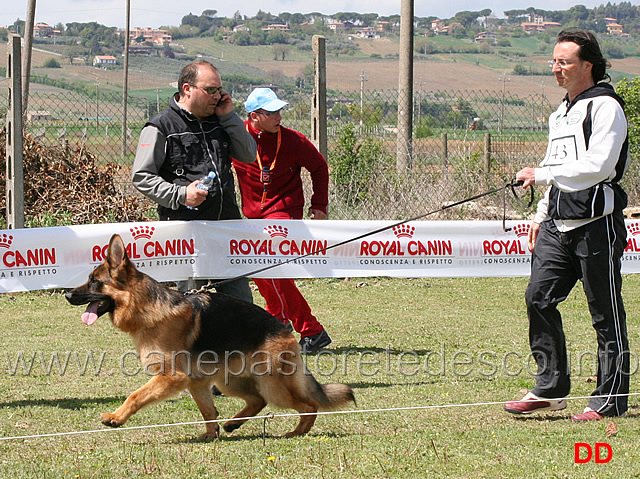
(464, 143)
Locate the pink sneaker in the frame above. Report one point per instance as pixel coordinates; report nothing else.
(588, 415)
(531, 403)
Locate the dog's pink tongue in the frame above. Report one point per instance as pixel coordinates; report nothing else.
(90, 316)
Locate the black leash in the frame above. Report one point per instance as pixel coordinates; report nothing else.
(509, 186)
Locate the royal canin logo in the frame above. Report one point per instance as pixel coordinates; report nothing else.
(6, 240)
(277, 230)
(277, 246)
(522, 229)
(403, 231)
(21, 258)
(507, 247)
(413, 247)
(633, 243)
(150, 249)
(145, 232)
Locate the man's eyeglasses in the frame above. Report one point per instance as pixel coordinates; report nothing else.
(560, 63)
(269, 113)
(211, 90)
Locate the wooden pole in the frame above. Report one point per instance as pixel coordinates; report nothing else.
(14, 154)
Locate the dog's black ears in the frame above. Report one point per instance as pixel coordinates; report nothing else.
(117, 252)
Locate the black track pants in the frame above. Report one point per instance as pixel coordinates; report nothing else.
(591, 254)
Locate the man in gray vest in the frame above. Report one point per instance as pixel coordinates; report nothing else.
(198, 133)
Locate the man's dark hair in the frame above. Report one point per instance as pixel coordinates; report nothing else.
(589, 51)
(190, 72)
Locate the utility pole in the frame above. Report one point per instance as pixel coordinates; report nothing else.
(319, 106)
(404, 149)
(26, 64)
(125, 80)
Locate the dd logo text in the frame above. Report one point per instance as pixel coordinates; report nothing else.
(588, 454)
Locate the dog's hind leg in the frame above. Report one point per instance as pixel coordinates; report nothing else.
(307, 421)
(255, 404)
(157, 389)
(201, 393)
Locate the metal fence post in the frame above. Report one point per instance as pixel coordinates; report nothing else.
(445, 150)
(14, 172)
(319, 102)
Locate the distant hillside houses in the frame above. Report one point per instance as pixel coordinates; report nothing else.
(614, 28)
(241, 28)
(157, 37)
(439, 27)
(367, 32)
(539, 27)
(43, 30)
(104, 60)
(276, 27)
(340, 27)
(536, 23)
(485, 36)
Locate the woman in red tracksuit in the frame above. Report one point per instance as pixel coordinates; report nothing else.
(271, 188)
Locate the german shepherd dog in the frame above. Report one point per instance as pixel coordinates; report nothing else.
(193, 342)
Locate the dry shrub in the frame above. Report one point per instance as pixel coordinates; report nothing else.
(65, 181)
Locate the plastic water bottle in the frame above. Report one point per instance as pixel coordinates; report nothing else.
(206, 182)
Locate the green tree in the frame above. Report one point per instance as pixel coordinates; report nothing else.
(241, 38)
(629, 90)
(280, 51)
(51, 63)
(520, 70)
(425, 46)
(354, 163)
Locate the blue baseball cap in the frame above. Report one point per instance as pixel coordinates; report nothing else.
(263, 99)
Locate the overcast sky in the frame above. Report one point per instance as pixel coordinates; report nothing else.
(156, 13)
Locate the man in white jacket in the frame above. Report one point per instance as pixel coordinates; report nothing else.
(578, 232)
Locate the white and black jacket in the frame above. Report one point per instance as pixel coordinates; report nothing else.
(587, 154)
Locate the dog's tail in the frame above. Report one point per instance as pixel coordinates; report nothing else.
(332, 396)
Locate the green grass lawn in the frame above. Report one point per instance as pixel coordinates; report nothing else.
(424, 343)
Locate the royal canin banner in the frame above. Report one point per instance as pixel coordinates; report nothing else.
(63, 257)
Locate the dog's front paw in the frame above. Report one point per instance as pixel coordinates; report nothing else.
(110, 420)
(231, 426)
(208, 436)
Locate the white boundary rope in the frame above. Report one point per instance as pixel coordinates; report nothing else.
(273, 415)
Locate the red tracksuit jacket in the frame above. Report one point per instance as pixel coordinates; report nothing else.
(285, 195)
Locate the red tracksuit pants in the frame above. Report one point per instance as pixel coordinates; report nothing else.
(286, 303)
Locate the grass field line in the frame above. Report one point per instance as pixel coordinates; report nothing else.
(272, 415)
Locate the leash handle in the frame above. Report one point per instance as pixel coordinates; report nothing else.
(512, 186)
(518, 197)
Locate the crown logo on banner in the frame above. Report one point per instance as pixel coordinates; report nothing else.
(277, 230)
(142, 232)
(5, 240)
(403, 231)
(522, 229)
(633, 228)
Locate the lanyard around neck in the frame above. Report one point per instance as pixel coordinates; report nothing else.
(265, 173)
